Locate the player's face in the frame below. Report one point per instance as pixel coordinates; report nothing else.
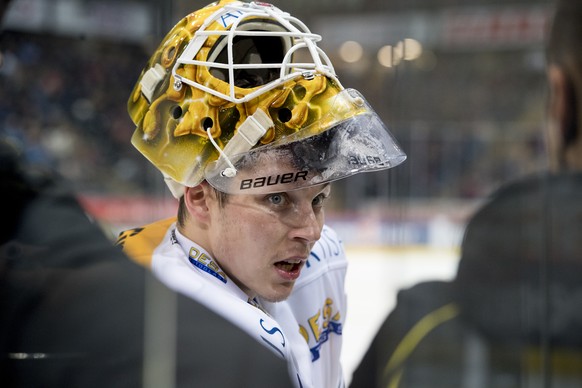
(263, 241)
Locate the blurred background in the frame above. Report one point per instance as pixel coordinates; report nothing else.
(460, 83)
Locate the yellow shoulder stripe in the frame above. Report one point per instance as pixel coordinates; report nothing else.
(139, 243)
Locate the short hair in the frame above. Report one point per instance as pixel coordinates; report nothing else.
(183, 210)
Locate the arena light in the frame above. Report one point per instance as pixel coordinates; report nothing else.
(407, 49)
(412, 49)
(351, 51)
(385, 56)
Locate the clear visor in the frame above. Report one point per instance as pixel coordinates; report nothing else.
(360, 143)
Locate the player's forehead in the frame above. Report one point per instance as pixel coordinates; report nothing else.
(309, 192)
(269, 164)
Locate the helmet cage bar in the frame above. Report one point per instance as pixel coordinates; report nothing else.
(298, 31)
(285, 66)
(312, 36)
(303, 33)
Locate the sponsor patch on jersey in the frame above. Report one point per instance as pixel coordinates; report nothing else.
(173, 238)
(204, 262)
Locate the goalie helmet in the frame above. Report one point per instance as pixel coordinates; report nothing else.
(239, 94)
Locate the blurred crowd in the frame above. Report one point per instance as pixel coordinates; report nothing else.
(63, 100)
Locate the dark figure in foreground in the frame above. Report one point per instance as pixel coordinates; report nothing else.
(511, 317)
(75, 312)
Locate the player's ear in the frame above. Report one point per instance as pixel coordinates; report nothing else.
(196, 200)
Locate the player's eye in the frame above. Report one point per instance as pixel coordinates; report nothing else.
(276, 199)
(322, 197)
(319, 200)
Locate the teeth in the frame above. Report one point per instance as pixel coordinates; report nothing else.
(287, 266)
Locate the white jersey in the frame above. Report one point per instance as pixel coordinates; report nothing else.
(305, 330)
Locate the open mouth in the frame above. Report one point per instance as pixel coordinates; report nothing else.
(289, 266)
(289, 269)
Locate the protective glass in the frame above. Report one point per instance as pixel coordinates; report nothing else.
(356, 142)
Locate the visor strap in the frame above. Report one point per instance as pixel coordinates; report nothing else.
(230, 171)
(246, 137)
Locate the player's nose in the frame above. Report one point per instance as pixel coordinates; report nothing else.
(307, 225)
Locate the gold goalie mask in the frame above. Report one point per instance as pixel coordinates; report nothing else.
(240, 95)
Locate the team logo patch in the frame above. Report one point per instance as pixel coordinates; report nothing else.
(325, 322)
